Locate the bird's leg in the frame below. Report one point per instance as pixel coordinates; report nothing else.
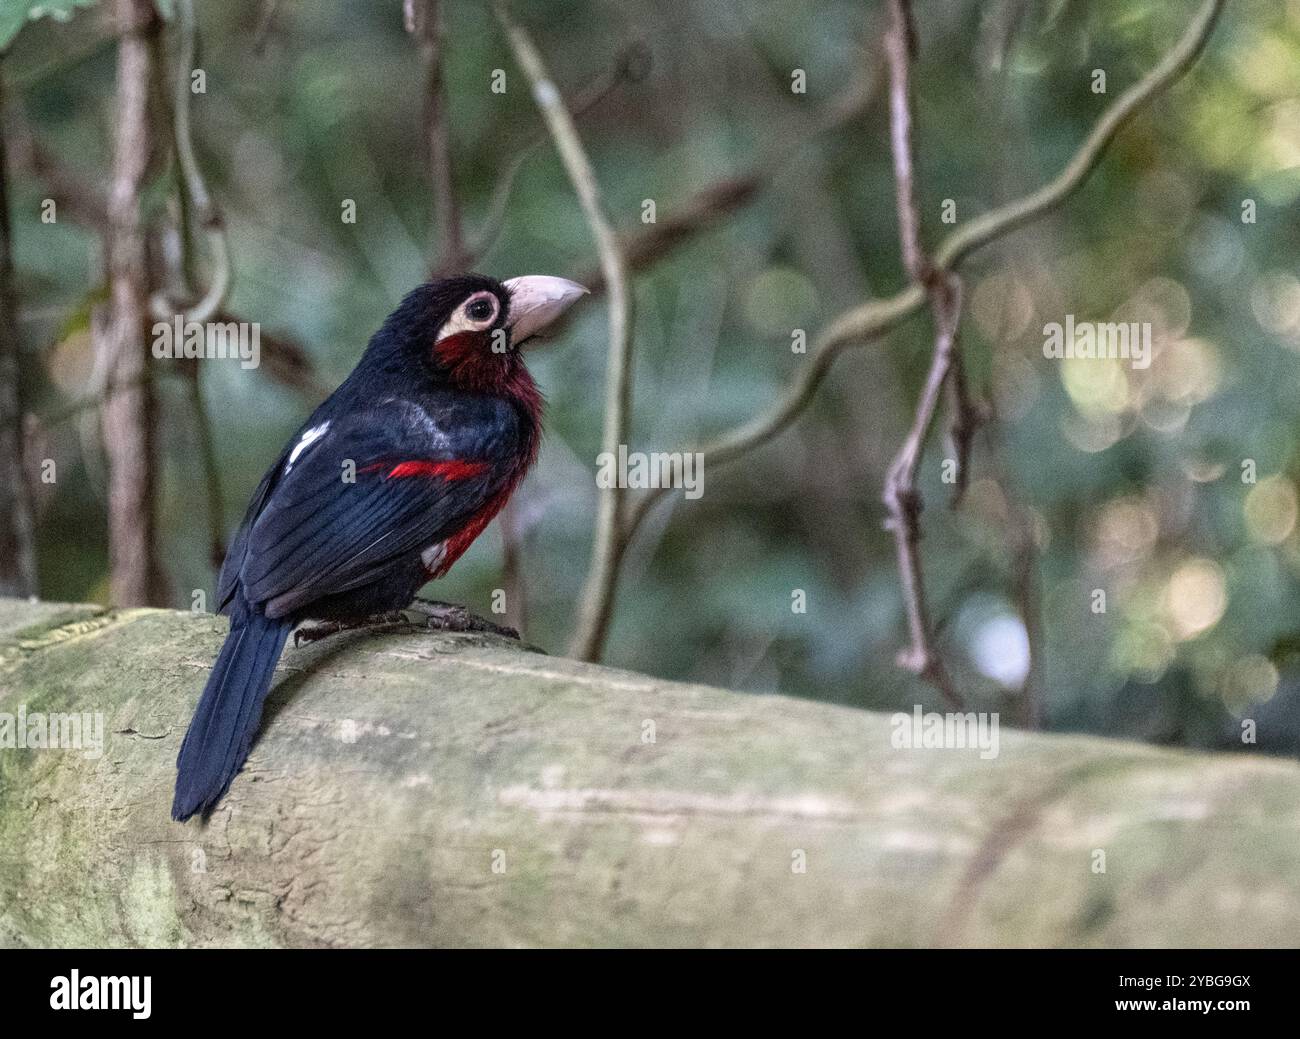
(315, 632)
(446, 616)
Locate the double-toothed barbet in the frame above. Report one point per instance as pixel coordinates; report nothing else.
(382, 489)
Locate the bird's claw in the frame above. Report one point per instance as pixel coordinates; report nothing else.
(441, 616)
(315, 632)
(446, 616)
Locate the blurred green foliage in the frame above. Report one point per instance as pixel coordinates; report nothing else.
(1134, 477)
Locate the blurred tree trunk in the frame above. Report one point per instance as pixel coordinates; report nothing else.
(17, 540)
(129, 414)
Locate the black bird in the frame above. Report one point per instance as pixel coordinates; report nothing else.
(382, 489)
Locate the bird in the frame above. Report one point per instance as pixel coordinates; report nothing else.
(381, 490)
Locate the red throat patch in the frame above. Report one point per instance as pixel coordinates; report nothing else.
(469, 359)
(471, 364)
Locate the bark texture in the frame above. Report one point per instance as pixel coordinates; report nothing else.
(433, 789)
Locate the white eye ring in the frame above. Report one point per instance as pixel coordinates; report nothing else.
(470, 316)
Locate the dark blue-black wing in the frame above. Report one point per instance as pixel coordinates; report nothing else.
(365, 493)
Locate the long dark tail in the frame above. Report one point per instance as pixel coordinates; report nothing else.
(228, 713)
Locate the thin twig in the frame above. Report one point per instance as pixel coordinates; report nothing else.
(900, 49)
(899, 46)
(901, 497)
(598, 594)
(903, 500)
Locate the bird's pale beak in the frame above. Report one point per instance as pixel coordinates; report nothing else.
(536, 300)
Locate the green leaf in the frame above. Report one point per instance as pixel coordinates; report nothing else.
(14, 14)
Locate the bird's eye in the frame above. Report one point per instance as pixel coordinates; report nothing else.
(479, 309)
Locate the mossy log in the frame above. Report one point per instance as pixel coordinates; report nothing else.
(415, 789)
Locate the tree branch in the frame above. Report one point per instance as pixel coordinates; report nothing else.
(332, 837)
(129, 415)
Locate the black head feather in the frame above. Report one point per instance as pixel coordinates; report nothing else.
(407, 335)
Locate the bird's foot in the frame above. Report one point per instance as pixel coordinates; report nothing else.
(315, 632)
(446, 616)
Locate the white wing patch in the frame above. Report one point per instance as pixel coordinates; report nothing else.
(433, 555)
(305, 441)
